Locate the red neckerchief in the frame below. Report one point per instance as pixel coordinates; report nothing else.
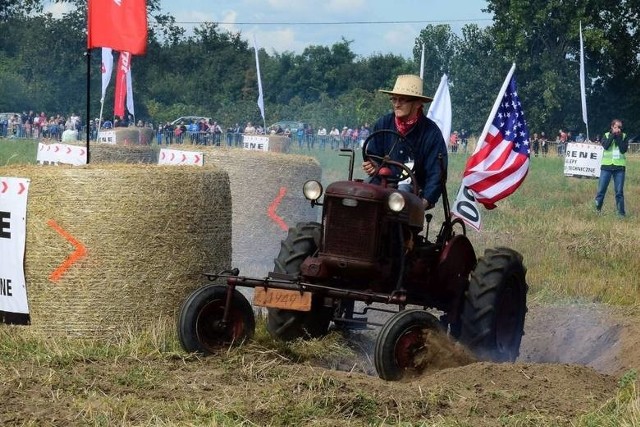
(404, 126)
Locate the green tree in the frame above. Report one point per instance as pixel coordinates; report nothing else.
(477, 73)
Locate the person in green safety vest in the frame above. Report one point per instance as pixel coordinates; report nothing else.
(613, 165)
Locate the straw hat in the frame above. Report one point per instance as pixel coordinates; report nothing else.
(408, 85)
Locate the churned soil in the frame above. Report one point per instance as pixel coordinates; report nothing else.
(571, 360)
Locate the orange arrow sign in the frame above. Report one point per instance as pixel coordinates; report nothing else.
(80, 251)
(273, 207)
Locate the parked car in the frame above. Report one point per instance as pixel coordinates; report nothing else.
(291, 124)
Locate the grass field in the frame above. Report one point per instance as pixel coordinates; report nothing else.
(572, 255)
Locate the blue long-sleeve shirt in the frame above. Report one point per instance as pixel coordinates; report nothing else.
(423, 144)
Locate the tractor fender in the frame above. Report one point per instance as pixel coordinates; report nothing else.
(456, 262)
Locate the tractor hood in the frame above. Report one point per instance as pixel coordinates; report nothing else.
(412, 214)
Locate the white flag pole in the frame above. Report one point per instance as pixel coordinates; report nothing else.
(260, 95)
(107, 70)
(130, 105)
(422, 63)
(583, 94)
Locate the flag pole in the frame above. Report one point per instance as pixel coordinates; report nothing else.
(88, 55)
(260, 94)
(494, 110)
(422, 63)
(583, 94)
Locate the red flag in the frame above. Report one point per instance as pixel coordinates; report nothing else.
(124, 64)
(118, 24)
(501, 160)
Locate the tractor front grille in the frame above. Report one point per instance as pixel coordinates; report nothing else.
(351, 231)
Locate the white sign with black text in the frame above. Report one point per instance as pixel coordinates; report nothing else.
(255, 142)
(465, 208)
(583, 160)
(107, 137)
(13, 226)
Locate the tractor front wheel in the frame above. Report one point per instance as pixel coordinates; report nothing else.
(401, 345)
(201, 327)
(495, 306)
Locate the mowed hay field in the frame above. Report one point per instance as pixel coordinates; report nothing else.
(577, 367)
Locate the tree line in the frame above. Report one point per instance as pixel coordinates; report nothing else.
(211, 72)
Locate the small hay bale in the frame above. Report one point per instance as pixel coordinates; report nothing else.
(133, 136)
(279, 143)
(257, 179)
(150, 233)
(108, 153)
(100, 152)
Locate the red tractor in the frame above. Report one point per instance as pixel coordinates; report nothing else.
(372, 247)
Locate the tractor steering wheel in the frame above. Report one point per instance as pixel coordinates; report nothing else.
(385, 160)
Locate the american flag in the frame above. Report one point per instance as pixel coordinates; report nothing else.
(501, 160)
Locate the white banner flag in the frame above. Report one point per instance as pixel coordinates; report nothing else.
(440, 108)
(260, 96)
(583, 94)
(13, 230)
(107, 69)
(422, 63)
(130, 91)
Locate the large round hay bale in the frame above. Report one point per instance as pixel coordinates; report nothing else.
(150, 232)
(266, 189)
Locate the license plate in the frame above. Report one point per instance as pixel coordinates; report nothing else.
(282, 298)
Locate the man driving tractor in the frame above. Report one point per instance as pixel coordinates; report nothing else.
(423, 142)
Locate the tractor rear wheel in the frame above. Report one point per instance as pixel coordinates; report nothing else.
(495, 306)
(401, 344)
(301, 242)
(200, 322)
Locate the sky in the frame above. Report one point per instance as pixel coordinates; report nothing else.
(373, 26)
(291, 25)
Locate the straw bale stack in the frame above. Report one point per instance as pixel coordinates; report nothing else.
(150, 233)
(257, 179)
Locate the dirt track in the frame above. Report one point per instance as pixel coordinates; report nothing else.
(571, 360)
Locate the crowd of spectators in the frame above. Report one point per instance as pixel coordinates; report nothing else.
(38, 126)
(196, 132)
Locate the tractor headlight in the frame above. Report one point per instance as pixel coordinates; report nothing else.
(312, 190)
(396, 202)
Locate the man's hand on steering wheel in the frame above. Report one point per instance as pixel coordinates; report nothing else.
(369, 167)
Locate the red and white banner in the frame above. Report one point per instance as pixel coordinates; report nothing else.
(61, 153)
(124, 66)
(180, 157)
(13, 230)
(118, 24)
